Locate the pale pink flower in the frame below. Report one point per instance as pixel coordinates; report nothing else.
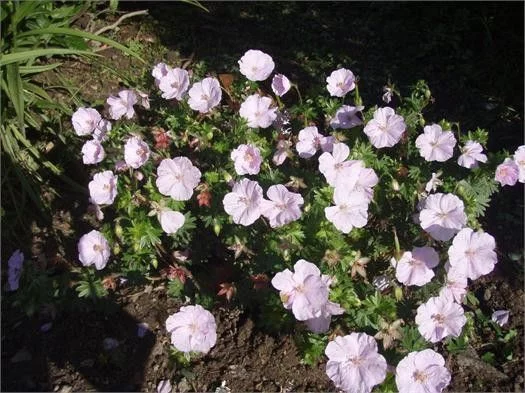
(192, 329)
(121, 166)
(160, 71)
(257, 112)
(303, 291)
(143, 99)
(100, 133)
(283, 207)
(455, 285)
(422, 372)
(346, 117)
(170, 221)
(174, 84)
(350, 210)
(471, 154)
(247, 159)
(366, 180)
(283, 152)
(435, 144)
(440, 317)
(95, 209)
(387, 95)
(442, 216)
(321, 324)
(177, 178)
(415, 267)
(244, 202)
(93, 249)
(340, 82)
(385, 129)
(85, 121)
(122, 105)
(337, 171)
(14, 270)
(519, 159)
(205, 95)
(280, 85)
(434, 182)
(92, 152)
(501, 317)
(164, 386)
(354, 365)
(310, 140)
(256, 65)
(507, 173)
(136, 152)
(473, 253)
(103, 188)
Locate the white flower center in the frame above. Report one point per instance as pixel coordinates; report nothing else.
(419, 376)
(356, 360)
(98, 248)
(249, 157)
(205, 97)
(439, 318)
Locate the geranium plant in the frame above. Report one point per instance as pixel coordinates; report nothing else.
(339, 211)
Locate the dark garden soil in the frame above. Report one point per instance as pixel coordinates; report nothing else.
(389, 41)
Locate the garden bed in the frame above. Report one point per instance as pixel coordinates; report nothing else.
(70, 356)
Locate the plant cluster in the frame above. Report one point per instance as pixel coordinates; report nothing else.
(373, 209)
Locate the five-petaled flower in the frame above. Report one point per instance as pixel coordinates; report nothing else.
(354, 364)
(347, 117)
(303, 291)
(280, 85)
(192, 329)
(257, 112)
(442, 216)
(473, 253)
(435, 144)
(350, 210)
(256, 65)
(310, 140)
(247, 159)
(385, 129)
(340, 82)
(205, 95)
(93, 249)
(440, 317)
(415, 267)
(507, 173)
(177, 178)
(422, 372)
(283, 207)
(136, 152)
(103, 188)
(471, 154)
(92, 152)
(122, 105)
(244, 202)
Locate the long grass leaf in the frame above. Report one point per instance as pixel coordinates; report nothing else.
(31, 54)
(24, 70)
(83, 34)
(16, 94)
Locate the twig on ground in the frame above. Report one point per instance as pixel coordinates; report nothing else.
(120, 20)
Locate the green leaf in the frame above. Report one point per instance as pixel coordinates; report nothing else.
(33, 53)
(86, 35)
(24, 70)
(15, 93)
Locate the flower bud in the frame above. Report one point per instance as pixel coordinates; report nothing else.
(118, 231)
(395, 185)
(217, 228)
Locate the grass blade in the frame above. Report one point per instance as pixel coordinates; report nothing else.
(83, 34)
